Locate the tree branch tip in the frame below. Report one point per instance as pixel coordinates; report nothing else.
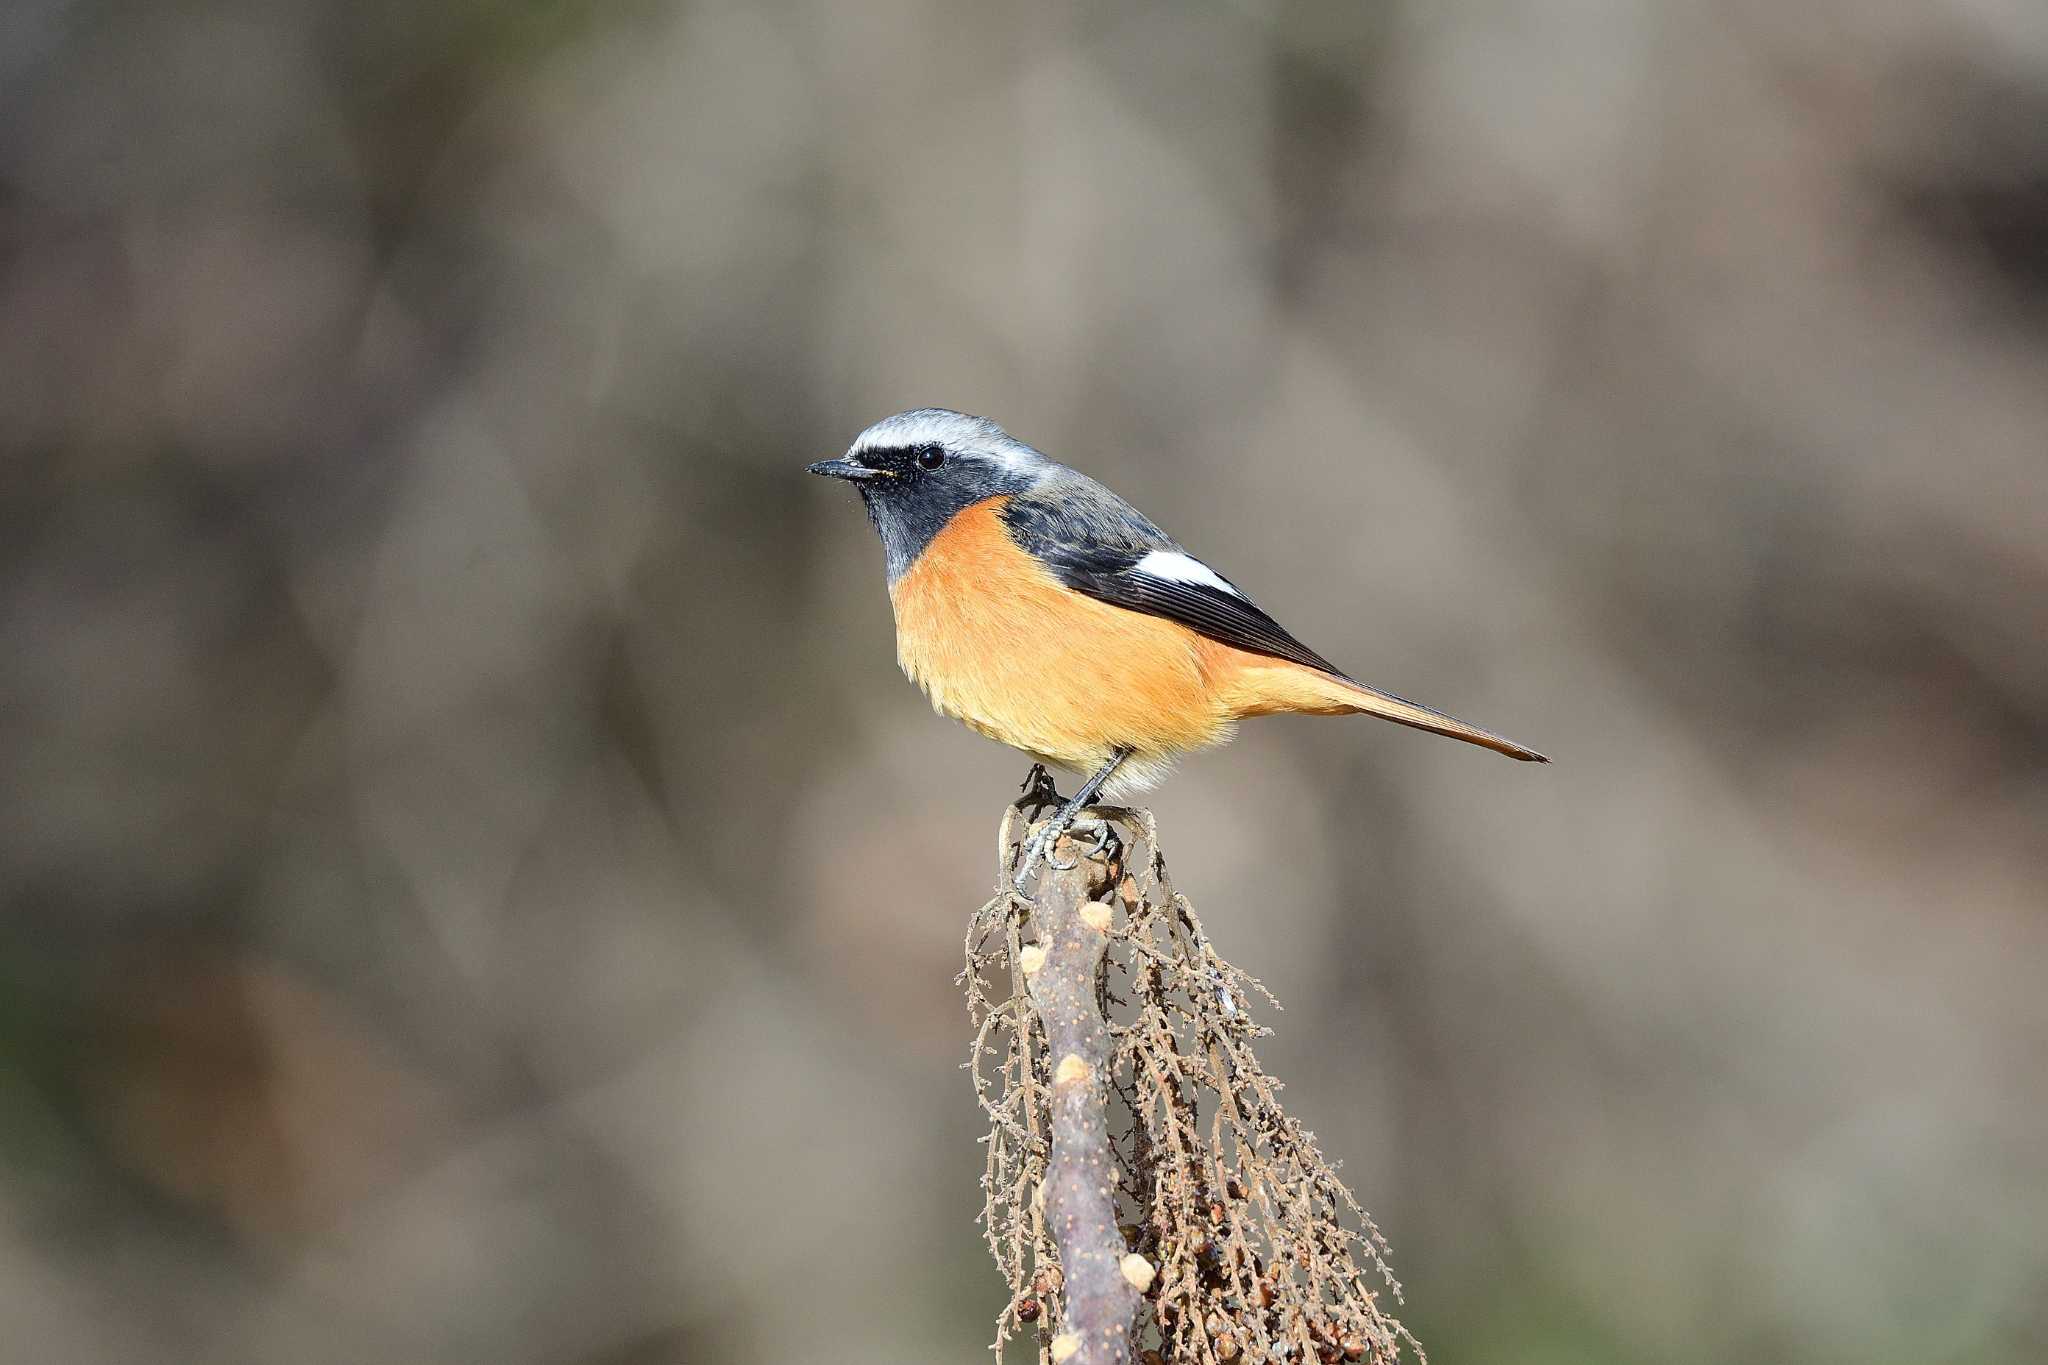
(1232, 1244)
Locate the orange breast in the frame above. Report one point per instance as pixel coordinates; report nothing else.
(999, 643)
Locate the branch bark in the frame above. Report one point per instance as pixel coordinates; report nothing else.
(1080, 1182)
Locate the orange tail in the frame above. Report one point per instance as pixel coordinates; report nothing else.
(1403, 712)
(1256, 686)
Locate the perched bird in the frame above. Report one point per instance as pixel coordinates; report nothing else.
(1046, 612)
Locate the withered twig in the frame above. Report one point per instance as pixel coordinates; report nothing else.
(1080, 1181)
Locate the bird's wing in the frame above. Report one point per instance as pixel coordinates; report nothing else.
(1098, 544)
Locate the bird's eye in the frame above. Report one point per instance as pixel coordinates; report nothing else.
(930, 457)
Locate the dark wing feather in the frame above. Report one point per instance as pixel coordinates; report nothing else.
(1235, 621)
(1092, 541)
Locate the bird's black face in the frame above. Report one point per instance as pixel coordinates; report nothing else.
(915, 476)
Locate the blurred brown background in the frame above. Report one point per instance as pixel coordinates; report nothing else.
(476, 888)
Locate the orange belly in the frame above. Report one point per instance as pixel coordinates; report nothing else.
(1000, 644)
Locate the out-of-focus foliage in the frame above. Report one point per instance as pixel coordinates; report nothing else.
(475, 887)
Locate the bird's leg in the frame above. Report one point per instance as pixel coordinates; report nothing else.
(1039, 791)
(1048, 835)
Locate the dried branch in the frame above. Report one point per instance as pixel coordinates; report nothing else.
(1080, 1179)
(1237, 1237)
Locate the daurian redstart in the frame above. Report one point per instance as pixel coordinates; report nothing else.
(1046, 612)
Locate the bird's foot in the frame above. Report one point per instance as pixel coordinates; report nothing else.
(1038, 790)
(1043, 843)
(1097, 830)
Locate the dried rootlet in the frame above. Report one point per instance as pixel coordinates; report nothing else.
(1242, 1243)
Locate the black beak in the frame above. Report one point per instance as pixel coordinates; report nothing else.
(848, 470)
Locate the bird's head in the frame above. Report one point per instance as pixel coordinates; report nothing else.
(919, 469)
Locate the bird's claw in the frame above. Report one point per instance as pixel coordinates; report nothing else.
(1046, 840)
(1038, 789)
(1099, 829)
(1042, 843)
(1034, 849)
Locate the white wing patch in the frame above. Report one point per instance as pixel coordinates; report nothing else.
(1183, 568)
